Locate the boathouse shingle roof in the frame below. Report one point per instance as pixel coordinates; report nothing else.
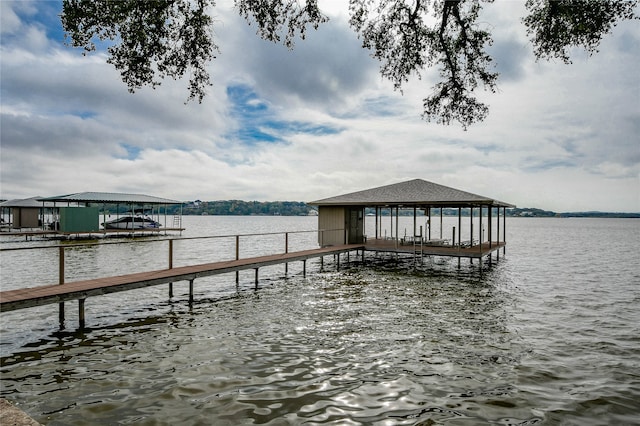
(110, 197)
(415, 192)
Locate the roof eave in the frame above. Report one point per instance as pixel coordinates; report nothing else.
(467, 203)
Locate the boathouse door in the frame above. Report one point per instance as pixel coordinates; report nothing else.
(355, 226)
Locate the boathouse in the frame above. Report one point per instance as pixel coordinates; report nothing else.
(341, 219)
(80, 212)
(24, 213)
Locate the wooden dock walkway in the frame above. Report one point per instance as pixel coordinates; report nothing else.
(11, 300)
(79, 290)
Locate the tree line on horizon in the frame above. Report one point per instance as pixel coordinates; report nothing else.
(299, 208)
(246, 208)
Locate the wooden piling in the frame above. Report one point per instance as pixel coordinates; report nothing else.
(170, 266)
(61, 281)
(81, 318)
(237, 257)
(286, 250)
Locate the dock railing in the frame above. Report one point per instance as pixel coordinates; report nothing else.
(226, 247)
(81, 287)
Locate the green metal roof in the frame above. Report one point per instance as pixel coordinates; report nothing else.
(110, 197)
(415, 192)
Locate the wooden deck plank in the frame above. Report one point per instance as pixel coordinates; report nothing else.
(55, 293)
(476, 251)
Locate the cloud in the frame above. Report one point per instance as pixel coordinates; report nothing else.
(326, 69)
(510, 56)
(257, 123)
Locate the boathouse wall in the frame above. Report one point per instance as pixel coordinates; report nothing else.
(340, 225)
(79, 219)
(25, 217)
(331, 226)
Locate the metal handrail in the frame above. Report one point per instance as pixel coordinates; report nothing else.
(61, 247)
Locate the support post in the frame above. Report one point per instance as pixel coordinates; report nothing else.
(170, 266)
(471, 226)
(256, 269)
(480, 231)
(81, 320)
(170, 254)
(459, 229)
(61, 281)
(391, 222)
(377, 222)
(415, 225)
(191, 292)
(498, 233)
(453, 237)
(286, 250)
(304, 268)
(397, 229)
(471, 232)
(237, 257)
(490, 219)
(504, 230)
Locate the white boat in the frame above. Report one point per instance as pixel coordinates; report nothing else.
(132, 222)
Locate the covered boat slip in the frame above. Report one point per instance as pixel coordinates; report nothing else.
(346, 214)
(88, 213)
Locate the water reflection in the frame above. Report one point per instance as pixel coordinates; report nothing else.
(547, 335)
(361, 344)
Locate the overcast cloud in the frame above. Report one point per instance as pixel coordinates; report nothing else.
(316, 121)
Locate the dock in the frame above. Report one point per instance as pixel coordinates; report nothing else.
(475, 251)
(61, 292)
(30, 234)
(11, 300)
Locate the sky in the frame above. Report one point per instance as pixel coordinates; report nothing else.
(316, 121)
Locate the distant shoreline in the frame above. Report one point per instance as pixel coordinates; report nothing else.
(299, 208)
(532, 212)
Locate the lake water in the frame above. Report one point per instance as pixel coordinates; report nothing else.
(549, 334)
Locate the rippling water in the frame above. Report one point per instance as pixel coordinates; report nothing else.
(549, 334)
